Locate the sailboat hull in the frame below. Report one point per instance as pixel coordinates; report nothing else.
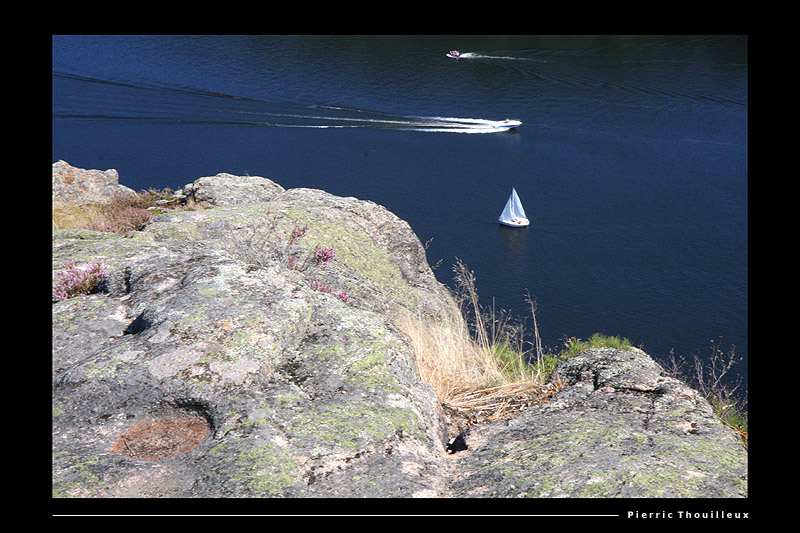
(518, 223)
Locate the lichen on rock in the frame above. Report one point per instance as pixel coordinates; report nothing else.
(183, 316)
(211, 317)
(619, 427)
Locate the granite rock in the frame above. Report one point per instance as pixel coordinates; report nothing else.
(77, 186)
(222, 358)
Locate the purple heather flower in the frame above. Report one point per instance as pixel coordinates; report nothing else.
(73, 281)
(319, 286)
(324, 256)
(297, 232)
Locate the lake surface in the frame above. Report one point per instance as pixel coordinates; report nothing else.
(631, 160)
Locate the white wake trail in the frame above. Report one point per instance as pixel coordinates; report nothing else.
(481, 55)
(433, 124)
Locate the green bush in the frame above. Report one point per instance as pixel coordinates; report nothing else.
(573, 345)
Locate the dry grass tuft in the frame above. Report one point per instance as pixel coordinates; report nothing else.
(476, 366)
(120, 214)
(76, 216)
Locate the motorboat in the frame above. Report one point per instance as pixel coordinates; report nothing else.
(455, 54)
(514, 215)
(510, 123)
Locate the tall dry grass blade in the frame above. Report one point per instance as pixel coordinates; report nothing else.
(471, 359)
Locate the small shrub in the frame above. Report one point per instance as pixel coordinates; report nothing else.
(261, 242)
(292, 261)
(297, 233)
(573, 345)
(323, 256)
(254, 243)
(319, 286)
(265, 241)
(120, 219)
(123, 213)
(73, 281)
(710, 377)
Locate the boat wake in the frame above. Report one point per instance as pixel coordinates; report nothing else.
(342, 117)
(481, 55)
(77, 97)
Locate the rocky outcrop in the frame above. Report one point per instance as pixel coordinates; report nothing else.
(215, 363)
(227, 189)
(76, 186)
(618, 427)
(249, 350)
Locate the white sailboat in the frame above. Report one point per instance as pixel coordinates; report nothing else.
(513, 214)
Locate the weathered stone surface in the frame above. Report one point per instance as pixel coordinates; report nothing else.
(211, 365)
(617, 428)
(227, 189)
(76, 186)
(304, 394)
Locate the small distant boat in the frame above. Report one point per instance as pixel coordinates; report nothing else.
(509, 123)
(454, 54)
(514, 215)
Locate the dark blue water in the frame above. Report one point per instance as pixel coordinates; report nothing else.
(631, 160)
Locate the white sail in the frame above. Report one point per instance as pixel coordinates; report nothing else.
(514, 214)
